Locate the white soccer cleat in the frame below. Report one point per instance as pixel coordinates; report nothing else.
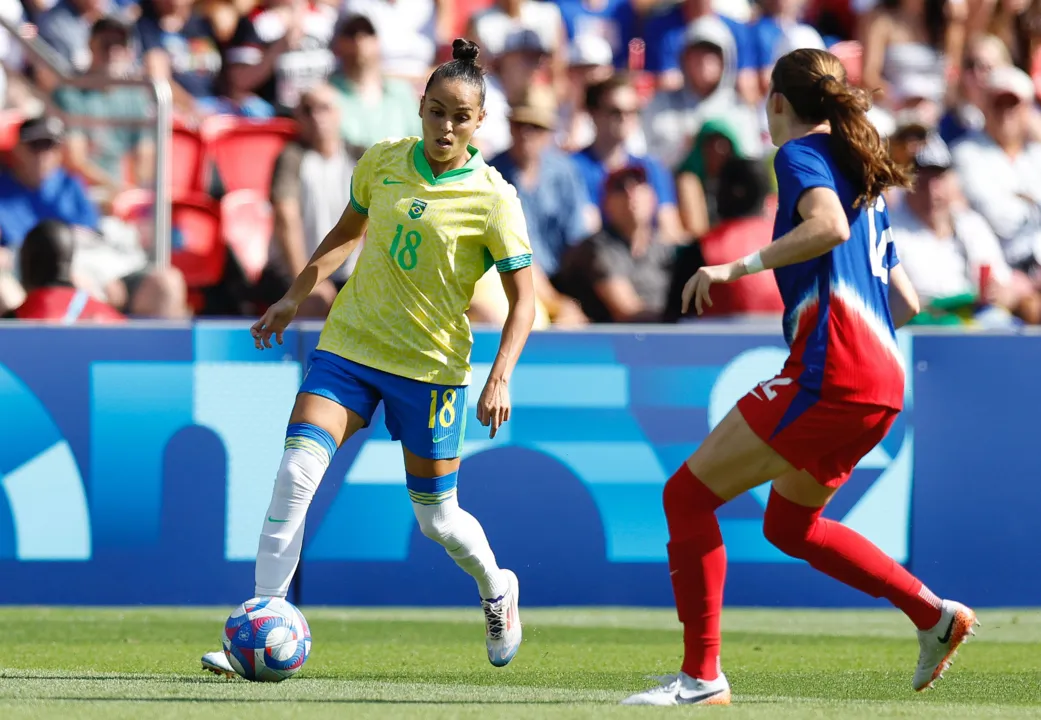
(217, 663)
(938, 646)
(502, 623)
(683, 689)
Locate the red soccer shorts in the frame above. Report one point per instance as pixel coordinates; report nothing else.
(826, 438)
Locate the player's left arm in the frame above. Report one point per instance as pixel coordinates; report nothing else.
(507, 241)
(903, 299)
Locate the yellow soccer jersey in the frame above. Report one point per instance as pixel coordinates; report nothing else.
(429, 241)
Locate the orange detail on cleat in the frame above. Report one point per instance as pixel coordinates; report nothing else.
(722, 699)
(960, 633)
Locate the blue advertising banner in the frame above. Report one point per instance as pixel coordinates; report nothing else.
(137, 463)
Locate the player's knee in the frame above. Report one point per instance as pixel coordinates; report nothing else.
(434, 524)
(433, 500)
(684, 497)
(786, 530)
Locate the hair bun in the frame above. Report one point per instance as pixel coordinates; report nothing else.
(465, 51)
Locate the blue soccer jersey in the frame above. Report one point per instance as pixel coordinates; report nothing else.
(836, 306)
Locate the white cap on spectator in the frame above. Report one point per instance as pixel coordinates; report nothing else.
(934, 153)
(797, 37)
(590, 50)
(1010, 79)
(925, 86)
(524, 40)
(244, 55)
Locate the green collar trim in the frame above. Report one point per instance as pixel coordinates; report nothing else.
(419, 159)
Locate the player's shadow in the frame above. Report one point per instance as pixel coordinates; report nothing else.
(545, 527)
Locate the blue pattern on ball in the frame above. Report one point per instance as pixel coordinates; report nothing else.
(245, 636)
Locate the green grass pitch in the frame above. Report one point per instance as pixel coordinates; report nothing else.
(143, 663)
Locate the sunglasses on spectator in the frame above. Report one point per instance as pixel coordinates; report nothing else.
(312, 109)
(975, 65)
(529, 126)
(618, 113)
(38, 146)
(625, 181)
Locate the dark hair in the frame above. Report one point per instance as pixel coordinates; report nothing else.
(814, 82)
(742, 188)
(463, 66)
(46, 254)
(596, 92)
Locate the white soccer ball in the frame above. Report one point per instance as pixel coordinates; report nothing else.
(267, 639)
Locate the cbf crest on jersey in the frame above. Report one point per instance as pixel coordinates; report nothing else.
(415, 211)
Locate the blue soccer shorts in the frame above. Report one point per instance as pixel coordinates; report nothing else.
(428, 419)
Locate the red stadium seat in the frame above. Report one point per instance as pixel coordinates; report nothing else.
(10, 122)
(188, 160)
(198, 246)
(247, 222)
(244, 151)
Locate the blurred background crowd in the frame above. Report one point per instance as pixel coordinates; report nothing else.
(633, 130)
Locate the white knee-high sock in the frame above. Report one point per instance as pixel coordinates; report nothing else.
(443, 521)
(303, 464)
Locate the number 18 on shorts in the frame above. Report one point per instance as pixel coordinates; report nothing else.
(428, 419)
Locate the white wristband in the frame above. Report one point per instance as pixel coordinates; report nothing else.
(752, 263)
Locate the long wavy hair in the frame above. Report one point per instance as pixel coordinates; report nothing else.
(814, 82)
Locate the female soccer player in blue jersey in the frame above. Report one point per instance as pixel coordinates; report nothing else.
(834, 400)
(436, 217)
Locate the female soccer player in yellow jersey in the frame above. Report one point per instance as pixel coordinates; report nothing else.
(436, 217)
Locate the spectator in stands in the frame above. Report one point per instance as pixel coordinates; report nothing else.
(36, 187)
(944, 246)
(698, 178)
(550, 190)
(622, 273)
(490, 28)
(372, 106)
(908, 136)
(614, 21)
(180, 45)
(589, 62)
(776, 32)
(522, 63)
(614, 107)
(1000, 168)
(912, 41)
(66, 28)
(109, 158)
(45, 265)
(983, 54)
(281, 48)
(673, 118)
(310, 187)
(743, 229)
(236, 85)
(407, 32)
(666, 36)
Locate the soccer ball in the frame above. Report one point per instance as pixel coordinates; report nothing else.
(267, 639)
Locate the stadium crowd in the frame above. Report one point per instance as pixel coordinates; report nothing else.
(633, 130)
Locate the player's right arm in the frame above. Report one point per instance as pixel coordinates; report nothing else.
(333, 251)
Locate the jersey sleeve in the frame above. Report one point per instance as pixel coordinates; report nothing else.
(507, 235)
(362, 178)
(799, 169)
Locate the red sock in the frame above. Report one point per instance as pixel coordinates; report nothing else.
(698, 566)
(843, 554)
